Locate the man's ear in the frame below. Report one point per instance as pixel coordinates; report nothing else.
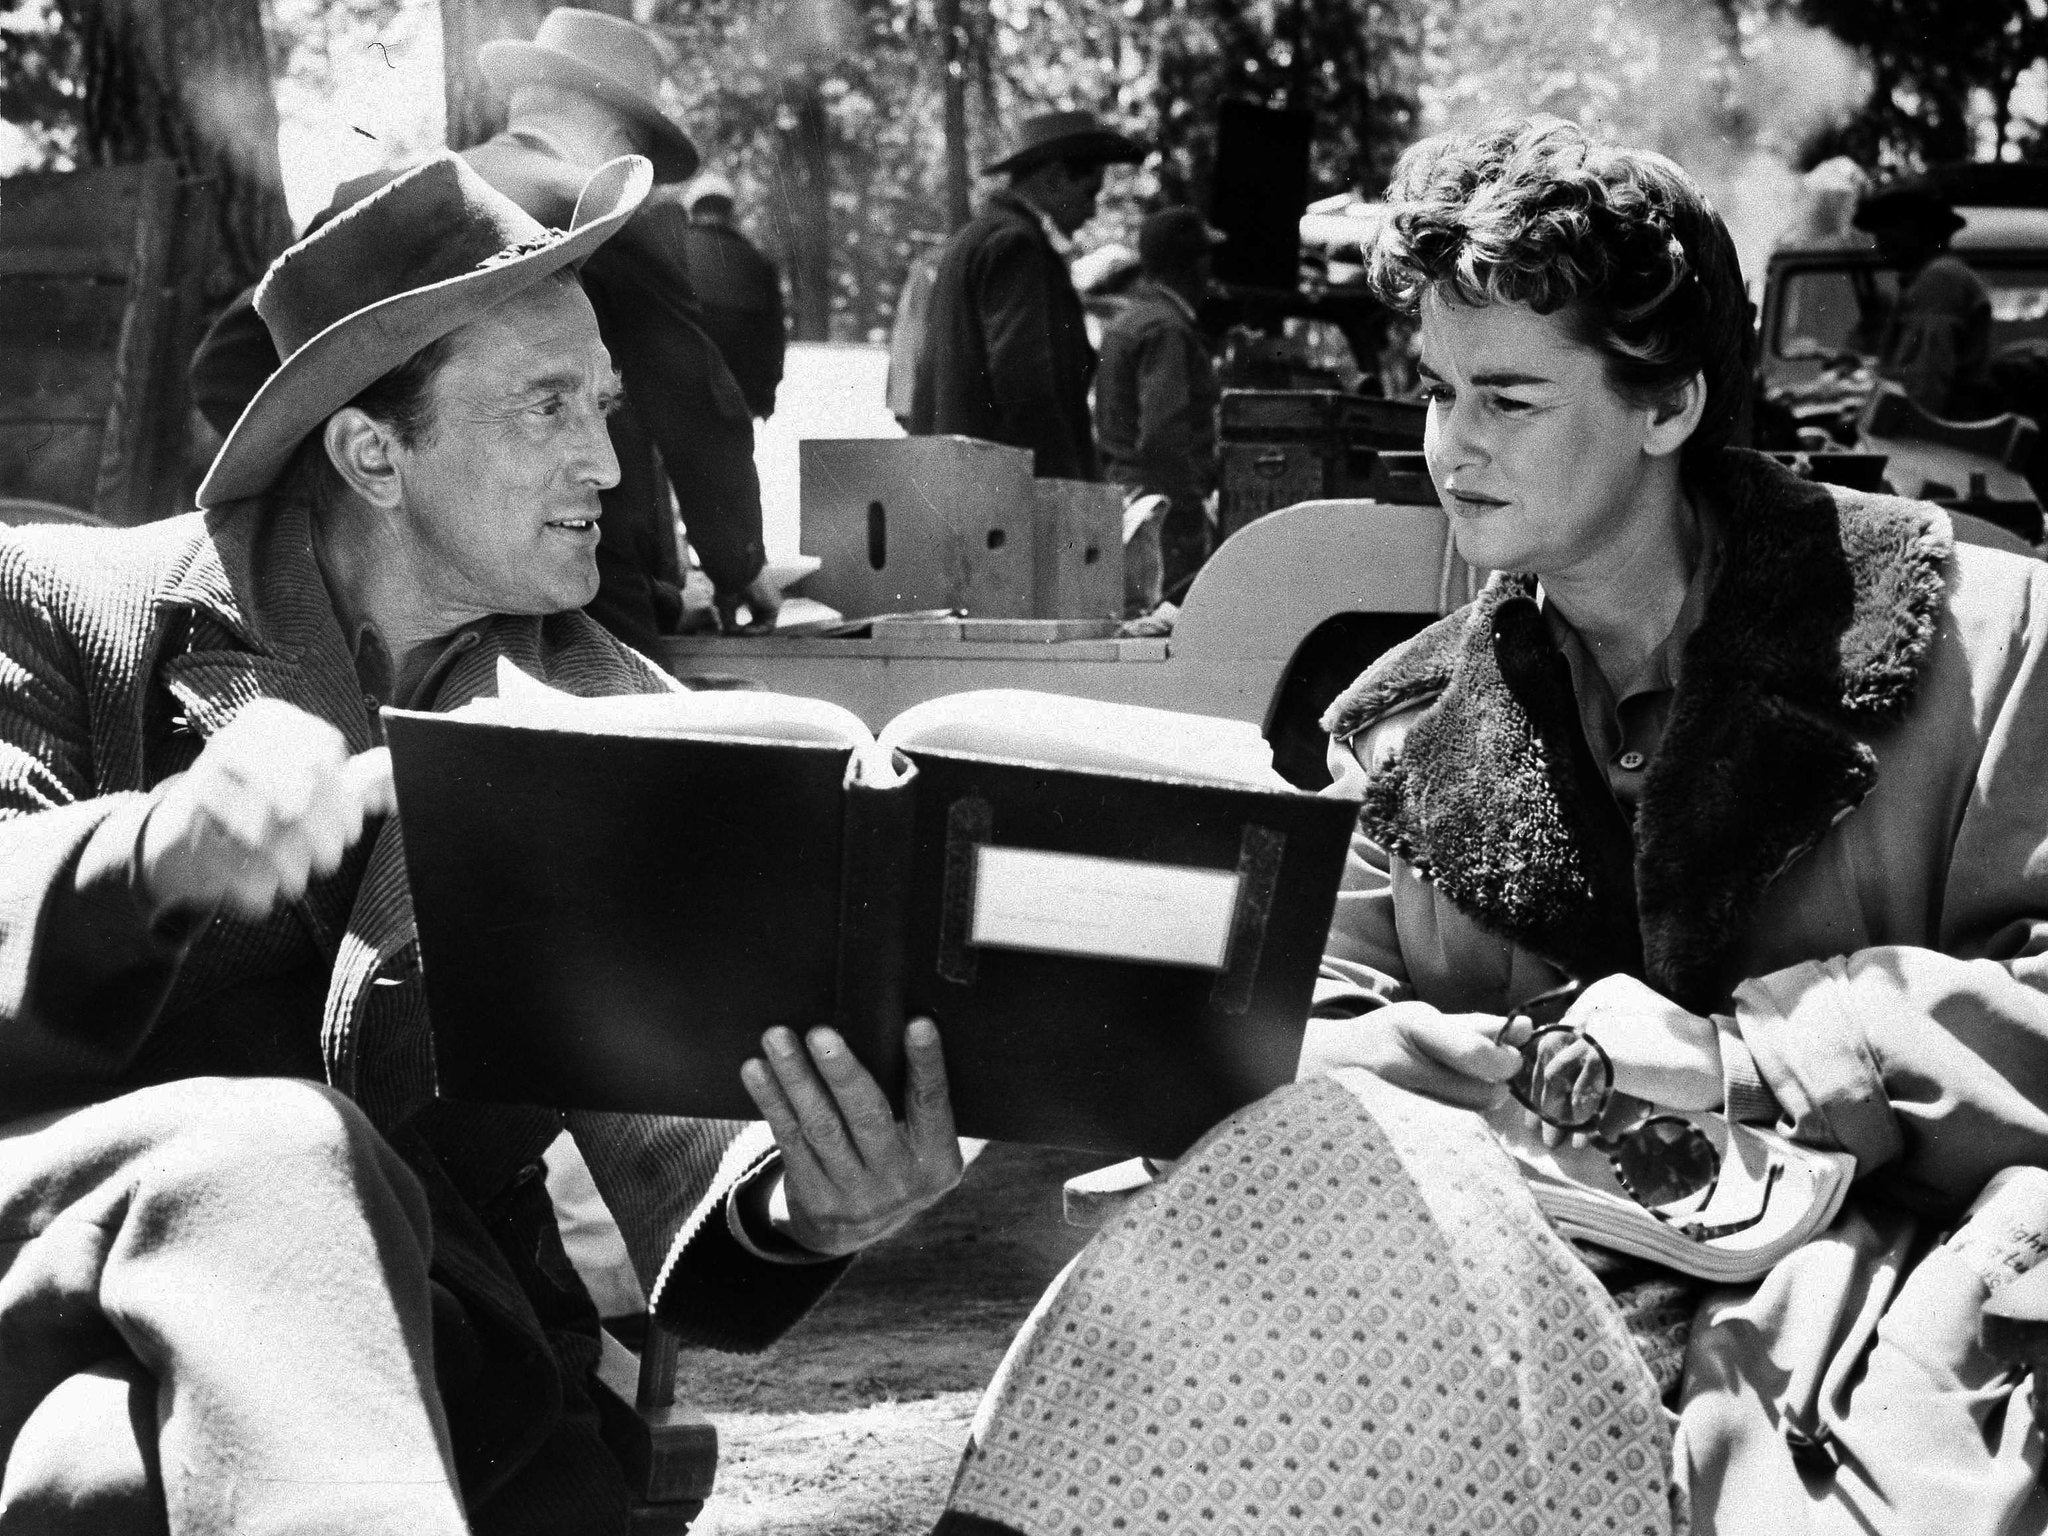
(364, 453)
(1676, 417)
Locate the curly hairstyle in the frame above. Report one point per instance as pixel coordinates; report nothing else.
(1621, 244)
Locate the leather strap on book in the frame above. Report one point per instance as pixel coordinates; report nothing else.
(970, 823)
(1258, 877)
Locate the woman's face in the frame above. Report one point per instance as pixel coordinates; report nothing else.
(1539, 463)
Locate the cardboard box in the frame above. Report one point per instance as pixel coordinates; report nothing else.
(1080, 550)
(919, 522)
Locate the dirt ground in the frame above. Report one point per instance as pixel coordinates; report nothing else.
(854, 1422)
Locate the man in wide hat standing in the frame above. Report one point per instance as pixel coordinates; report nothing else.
(586, 88)
(254, 1275)
(1006, 355)
(1937, 340)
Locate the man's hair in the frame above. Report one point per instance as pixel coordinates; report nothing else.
(1621, 244)
(402, 399)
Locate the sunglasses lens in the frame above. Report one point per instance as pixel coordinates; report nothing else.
(1666, 1159)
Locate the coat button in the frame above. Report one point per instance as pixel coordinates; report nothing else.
(1630, 761)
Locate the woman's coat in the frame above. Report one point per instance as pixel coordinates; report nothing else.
(1842, 852)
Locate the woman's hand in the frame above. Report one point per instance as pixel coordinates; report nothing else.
(1660, 1051)
(1447, 1056)
(853, 1173)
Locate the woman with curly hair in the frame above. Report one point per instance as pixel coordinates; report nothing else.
(1759, 764)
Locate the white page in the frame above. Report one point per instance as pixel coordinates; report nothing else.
(1089, 734)
(731, 714)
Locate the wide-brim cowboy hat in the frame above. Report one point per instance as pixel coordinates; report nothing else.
(1910, 203)
(1078, 136)
(602, 56)
(420, 257)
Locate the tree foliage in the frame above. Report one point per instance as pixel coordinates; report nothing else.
(1933, 66)
(830, 115)
(833, 116)
(110, 82)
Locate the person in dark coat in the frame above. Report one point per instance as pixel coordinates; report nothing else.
(1006, 355)
(739, 292)
(1156, 394)
(254, 1275)
(1937, 345)
(584, 90)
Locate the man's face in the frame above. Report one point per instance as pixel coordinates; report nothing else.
(499, 507)
(1071, 191)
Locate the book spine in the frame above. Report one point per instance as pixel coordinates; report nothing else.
(874, 886)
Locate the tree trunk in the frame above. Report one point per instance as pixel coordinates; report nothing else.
(953, 83)
(804, 167)
(475, 111)
(189, 80)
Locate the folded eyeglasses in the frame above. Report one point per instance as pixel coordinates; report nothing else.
(1659, 1159)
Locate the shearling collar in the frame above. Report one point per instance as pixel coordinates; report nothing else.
(1813, 637)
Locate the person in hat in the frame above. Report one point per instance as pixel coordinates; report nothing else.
(233, 1297)
(1156, 396)
(1937, 341)
(1005, 354)
(738, 289)
(587, 88)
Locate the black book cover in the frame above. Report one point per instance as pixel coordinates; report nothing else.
(611, 921)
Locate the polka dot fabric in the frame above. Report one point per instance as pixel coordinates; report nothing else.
(1342, 1313)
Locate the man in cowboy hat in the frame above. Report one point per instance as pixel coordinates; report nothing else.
(738, 288)
(233, 1297)
(1156, 397)
(587, 88)
(1005, 354)
(1937, 342)
(583, 91)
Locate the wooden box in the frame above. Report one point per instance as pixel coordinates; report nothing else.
(101, 279)
(1283, 446)
(902, 524)
(1080, 550)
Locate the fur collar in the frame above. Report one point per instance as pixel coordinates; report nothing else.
(1812, 637)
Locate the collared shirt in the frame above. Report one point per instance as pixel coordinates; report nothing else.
(1178, 300)
(414, 685)
(1624, 732)
(1060, 239)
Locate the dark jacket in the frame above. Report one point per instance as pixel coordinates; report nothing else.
(121, 652)
(1155, 400)
(739, 296)
(1938, 345)
(1006, 355)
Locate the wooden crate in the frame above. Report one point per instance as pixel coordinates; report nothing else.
(100, 284)
(1283, 446)
(903, 524)
(1080, 550)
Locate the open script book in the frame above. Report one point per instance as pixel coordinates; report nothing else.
(1795, 1192)
(1113, 913)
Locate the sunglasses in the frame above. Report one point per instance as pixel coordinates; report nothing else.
(1658, 1160)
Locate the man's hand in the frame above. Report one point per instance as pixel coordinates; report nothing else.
(852, 1173)
(273, 802)
(762, 603)
(1447, 1056)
